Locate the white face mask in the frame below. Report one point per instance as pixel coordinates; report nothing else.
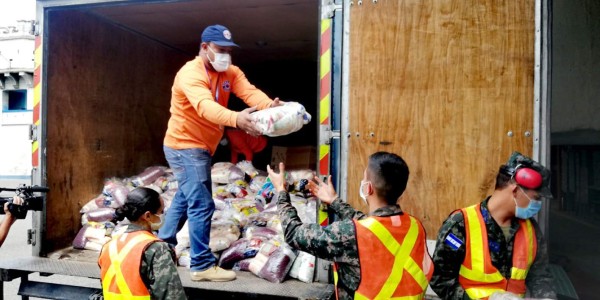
(156, 226)
(360, 191)
(222, 60)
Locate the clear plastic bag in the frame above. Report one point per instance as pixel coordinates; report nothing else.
(273, 261)
(148, 176)
(303, 268)
(239, 250)
(248, 168)
(281, 120)
(220, 172)
(257, 183)
(115, 192)
(222, 234)
(105, 214)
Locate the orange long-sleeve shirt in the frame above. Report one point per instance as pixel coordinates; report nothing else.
(199, 100)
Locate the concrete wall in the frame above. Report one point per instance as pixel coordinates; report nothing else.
(16, 54)
(15, 153)
(16, 71)
(16, 47)
(576, 72)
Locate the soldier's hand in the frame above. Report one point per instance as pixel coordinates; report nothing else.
(324, 191)
(17, 200)
(276, 102)
(277, 179)
(245, 122)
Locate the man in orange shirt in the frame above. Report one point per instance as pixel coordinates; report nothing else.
(199, 114)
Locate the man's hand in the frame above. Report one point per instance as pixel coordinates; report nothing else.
(16, 201)
(276, 102)
(277, 179)
(325, 192)
(6, 211)
(244, 122)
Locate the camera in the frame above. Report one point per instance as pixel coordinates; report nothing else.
(30, 201)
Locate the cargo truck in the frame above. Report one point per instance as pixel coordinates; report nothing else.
(452, 86)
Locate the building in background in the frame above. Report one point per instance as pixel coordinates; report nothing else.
(17, 44)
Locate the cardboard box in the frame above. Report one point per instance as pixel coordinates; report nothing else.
(295, 158)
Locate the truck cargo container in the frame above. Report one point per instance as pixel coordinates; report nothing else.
(452, 86)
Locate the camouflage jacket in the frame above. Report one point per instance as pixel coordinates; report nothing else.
(159, 271)
(336, 242)
(447, 260)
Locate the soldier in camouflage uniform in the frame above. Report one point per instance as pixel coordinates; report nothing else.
(501, 213)
(157, 269)
(338, 242)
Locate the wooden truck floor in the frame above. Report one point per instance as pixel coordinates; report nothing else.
(83, 264)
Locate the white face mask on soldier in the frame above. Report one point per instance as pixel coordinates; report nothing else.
(360, 191)
(222, 60)
(157, 226)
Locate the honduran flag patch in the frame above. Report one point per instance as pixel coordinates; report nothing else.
(453, 241)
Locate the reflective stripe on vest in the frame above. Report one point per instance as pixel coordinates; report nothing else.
(114, 284)
(523, 257)
(477, 275)
(335, 280)
(408, 242)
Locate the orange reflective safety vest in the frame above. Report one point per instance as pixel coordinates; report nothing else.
(477, 274)
(120, 262)
(394, 262)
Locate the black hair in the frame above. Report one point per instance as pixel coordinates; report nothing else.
(139, 201)
(505, 174)
(388, 174)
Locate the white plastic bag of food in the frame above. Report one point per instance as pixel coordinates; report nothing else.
(184, 258)
(281, 120)
(222, 234)
(303, 268)
(273, 261)
(248, 168)
(148, 176)
(220, 172)
(183, 239)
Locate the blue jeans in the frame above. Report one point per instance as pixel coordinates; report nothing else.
(193, 202)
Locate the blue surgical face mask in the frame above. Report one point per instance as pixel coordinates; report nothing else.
(531, 210)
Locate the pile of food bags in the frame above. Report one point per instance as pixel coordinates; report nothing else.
(97, 215)
(246, 232)
(244, 196)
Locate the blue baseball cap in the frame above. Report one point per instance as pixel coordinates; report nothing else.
(219, 35)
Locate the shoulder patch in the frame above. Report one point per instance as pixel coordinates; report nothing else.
(452, 241)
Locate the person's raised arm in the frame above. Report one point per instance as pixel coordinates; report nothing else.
(327, 194)
(330, 242)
